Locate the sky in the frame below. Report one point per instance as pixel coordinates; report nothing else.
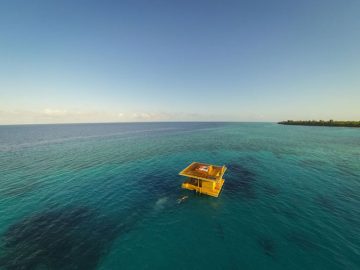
(114, 61)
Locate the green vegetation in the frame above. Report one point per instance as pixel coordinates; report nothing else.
(330, 123)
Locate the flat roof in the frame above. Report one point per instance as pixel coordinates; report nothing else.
(203, 171)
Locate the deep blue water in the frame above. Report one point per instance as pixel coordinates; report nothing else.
(104, 196)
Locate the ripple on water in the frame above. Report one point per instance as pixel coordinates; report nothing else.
(270, 190)
(331, 204)
(302, 241)
(18, 189)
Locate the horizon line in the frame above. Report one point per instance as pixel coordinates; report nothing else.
(133, 122)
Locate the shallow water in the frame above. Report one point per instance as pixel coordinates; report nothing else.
(105, 196)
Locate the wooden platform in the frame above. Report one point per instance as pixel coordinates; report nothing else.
(205, 190)
(204, 178)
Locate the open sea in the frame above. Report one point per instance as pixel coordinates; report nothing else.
(105, 196)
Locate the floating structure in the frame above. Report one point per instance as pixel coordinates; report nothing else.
(204, 178)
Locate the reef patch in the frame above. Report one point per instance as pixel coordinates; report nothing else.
(267, 245)
(241, 180)
(63, 238)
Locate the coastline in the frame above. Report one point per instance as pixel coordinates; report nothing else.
(330, 123)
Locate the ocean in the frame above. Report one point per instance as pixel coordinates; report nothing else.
(105, 196)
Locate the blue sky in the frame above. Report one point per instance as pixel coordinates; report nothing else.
(95, 61)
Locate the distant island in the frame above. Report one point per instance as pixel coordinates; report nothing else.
(330, 123)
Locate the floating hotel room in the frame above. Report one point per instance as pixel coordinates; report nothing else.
(204, 178)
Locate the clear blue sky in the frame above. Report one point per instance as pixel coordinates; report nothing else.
(90, 61)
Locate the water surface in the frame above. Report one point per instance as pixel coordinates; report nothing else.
(105, 196)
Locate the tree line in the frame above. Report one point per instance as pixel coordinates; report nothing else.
(329, 123)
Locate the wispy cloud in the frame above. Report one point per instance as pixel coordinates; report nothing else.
(59, 115)
(52, 112)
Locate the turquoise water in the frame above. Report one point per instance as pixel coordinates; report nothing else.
(104, 196)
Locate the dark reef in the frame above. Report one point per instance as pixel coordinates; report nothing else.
(270, 190)
(159, 184)
(240, 180)
(267, 245)
(332, 206)
(220, 231)
(62, 238)
(326, 203)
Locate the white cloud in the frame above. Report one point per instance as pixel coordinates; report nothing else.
(144, 116)
(55, 112)
(59, 115)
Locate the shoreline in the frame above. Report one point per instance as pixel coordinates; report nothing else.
(330, 123)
